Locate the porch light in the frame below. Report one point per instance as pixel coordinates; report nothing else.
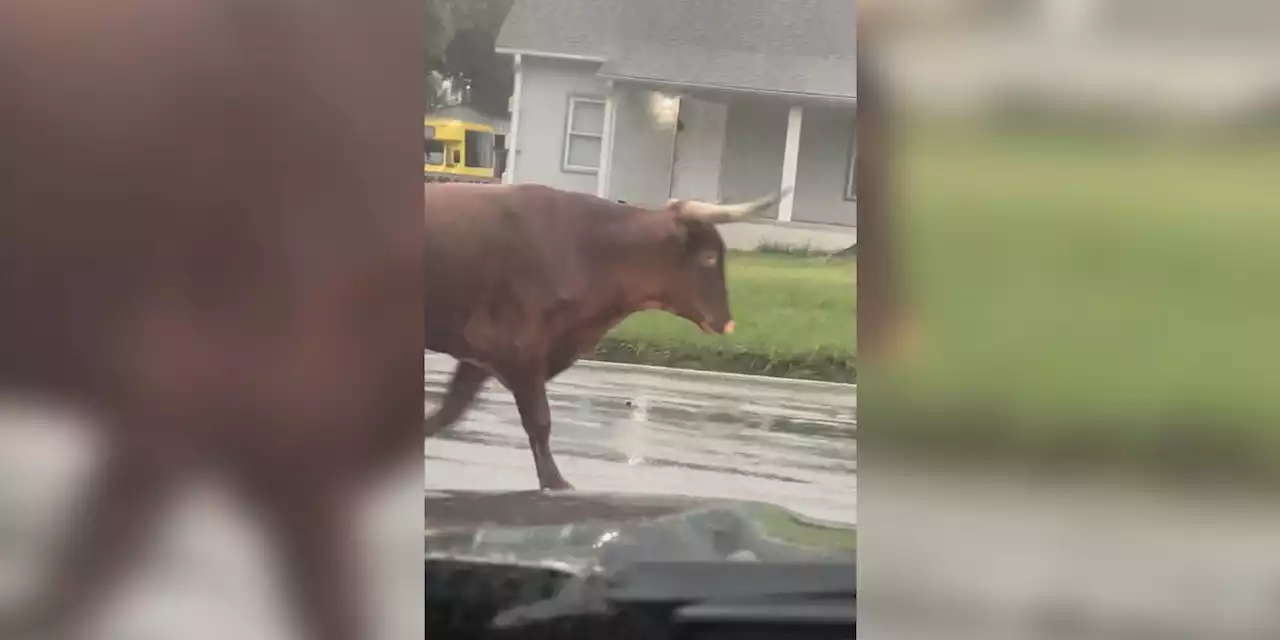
(664, 108)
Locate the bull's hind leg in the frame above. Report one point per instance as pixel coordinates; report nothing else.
(531, 399)
(467, 381)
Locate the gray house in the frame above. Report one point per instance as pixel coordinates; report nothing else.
(642, 101)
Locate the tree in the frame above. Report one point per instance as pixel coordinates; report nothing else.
(470, 57)
(437, 34)
(435, 93)
(473, 58)
(438, 31)
(484, 15)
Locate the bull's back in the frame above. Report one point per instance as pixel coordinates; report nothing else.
(498, 258)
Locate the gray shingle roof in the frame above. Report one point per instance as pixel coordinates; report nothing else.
(793, 46)
(575, 27)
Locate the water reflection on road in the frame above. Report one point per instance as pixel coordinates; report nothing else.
(644, 430)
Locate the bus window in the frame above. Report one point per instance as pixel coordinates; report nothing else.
(500, 159)
(479, 149)
(434, 153)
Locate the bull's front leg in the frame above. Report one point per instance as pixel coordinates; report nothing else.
(311, 523)
(530, 392)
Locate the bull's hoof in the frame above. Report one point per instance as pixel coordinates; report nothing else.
(557, 485)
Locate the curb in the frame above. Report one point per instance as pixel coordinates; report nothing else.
(722, 376)
(714, 375)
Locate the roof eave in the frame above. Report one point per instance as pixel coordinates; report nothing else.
(551, 55)
(774, 93)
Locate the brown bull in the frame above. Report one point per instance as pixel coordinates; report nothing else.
(208, 240)
(521, 281)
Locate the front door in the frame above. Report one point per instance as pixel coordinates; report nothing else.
(699, 147)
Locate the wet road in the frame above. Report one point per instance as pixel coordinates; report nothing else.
(640, 429)
(207, 574)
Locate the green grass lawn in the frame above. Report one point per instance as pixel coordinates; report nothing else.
(794, 316)
(1088, 297)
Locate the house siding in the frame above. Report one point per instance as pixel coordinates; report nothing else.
(823, 169)
(641, 151)
(544, 110)
(755, 139)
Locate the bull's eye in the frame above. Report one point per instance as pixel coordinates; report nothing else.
(709, 259)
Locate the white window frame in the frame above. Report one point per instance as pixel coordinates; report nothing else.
(569, 133)
(850, 180)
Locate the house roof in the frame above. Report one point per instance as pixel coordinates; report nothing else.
(571, 27)
(802, 47)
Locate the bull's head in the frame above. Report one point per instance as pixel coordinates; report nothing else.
(696, 290)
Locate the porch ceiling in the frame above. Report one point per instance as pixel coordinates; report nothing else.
(727, 95)
(742, 71)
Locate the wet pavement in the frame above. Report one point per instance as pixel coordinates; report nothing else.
(208, 574)
(633, 429)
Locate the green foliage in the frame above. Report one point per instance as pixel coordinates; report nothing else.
(438, 30)
(447, 18)
(483, 15)
(795, 318)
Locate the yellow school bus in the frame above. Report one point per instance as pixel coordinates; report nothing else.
(459, 151)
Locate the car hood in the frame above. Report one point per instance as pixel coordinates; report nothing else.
(579, 531)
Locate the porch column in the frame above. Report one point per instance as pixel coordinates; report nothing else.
(513, 140)
(606, 142)
(790, 160)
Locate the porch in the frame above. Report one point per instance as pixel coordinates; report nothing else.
(661, 141)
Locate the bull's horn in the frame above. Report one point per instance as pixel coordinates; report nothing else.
(711, 213)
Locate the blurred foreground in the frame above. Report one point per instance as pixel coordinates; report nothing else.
(1083, 442)
(209, 574)
(954, 553)
(1093, 277)
(211, 240)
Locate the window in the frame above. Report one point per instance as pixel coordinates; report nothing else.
(584, 135)
(434, 152)
(851, 181)
(479, 146)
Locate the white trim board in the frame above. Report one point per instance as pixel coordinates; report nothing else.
(547, 54)
(609, 128)
(513, 130)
